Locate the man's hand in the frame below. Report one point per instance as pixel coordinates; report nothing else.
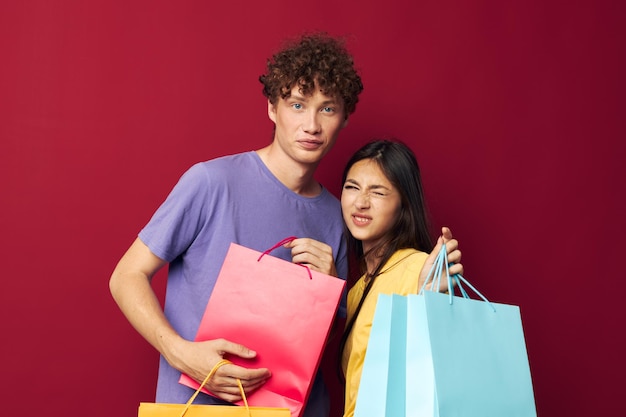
(314, 254)
(200, 357)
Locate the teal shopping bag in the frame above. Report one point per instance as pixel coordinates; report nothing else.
(479, 357)
(383, 382)
(441, 355)
(398, 376)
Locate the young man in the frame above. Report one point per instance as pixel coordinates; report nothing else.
(255, 199)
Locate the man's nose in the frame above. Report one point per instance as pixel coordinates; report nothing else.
(311, 123)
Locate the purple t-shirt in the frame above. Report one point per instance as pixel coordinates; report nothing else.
(230, 199)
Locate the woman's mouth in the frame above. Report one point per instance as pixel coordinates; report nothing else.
(361, 220)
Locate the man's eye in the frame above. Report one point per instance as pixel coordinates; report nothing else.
(297, 106)
(328, 110)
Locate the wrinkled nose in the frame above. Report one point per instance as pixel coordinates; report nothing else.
(362, 201)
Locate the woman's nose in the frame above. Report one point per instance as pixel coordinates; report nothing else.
(362, 201)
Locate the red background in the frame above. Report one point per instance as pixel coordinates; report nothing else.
(515, 110)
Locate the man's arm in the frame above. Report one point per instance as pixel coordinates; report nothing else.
(130, 285)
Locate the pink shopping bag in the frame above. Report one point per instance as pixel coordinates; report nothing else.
(283, 311)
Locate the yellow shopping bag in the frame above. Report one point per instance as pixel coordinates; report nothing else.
(197, 410)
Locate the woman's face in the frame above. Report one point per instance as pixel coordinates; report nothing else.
(369, 202)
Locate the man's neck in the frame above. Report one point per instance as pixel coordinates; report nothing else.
(295, 176)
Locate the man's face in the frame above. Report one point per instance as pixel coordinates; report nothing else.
(307, 126)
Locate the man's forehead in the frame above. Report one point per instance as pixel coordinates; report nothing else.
(317, 93)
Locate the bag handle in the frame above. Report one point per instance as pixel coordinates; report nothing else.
(209, 376)
(434, 276)
(281, 243)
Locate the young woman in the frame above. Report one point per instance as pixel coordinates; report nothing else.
(383, 208)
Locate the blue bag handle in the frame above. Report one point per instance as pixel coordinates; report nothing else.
(434, 276)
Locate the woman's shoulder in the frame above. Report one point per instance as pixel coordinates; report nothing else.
(408, 259)
(401, 273)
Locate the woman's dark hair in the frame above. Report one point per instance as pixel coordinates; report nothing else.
(411, 229)
(313, 60)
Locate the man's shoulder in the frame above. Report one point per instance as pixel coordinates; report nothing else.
(241, 158)
(232, 163)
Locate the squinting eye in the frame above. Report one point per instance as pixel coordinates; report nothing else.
(328, 109)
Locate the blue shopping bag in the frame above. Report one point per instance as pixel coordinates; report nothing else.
(445, 355)
(389, 384)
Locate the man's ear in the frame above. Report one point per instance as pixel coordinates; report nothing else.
(345, 122)
(271, 111)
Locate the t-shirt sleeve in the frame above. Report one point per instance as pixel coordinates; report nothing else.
(177, 222)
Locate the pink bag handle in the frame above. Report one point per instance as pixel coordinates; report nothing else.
(281, 243)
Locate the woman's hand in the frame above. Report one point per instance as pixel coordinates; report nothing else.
(454, 261)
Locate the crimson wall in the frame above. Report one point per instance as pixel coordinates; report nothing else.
(515, 110)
